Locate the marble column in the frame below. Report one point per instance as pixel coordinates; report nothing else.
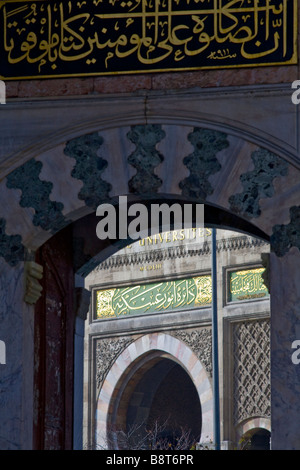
(285, 329)
(16, 375)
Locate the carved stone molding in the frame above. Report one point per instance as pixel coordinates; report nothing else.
(107, 351)
(200, 342)
(159, 255)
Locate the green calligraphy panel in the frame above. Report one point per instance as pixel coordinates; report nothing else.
(48, 38)
(246, 285)
(155, 297)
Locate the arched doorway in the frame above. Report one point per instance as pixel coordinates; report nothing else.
(60, 248)
(144, 389)
(173, 404)
(232, 187)
(257, 439)
(255, 434)
(159, 408)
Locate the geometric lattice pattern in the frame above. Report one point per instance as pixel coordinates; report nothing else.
(251, 351)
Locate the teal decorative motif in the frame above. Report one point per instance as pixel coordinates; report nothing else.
(88, 168)
(258, 183)
(11, 248)
(285, 237)
(203, 162)
(35, 193)
(145, 158)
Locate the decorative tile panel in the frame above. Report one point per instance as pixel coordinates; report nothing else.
(11, 248)
(285, 237)
(258, 183)
(36, 194)
(89, 168)
(145, 158)
(107, 351)
(203, 162)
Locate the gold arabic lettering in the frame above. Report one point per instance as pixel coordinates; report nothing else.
(104, 33)
(151, 298)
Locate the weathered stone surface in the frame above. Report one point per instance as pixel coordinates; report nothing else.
(157, 81)
(285, 375)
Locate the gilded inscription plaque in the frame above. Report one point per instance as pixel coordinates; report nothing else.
(155, 297)
(97, 37)
(247, 284)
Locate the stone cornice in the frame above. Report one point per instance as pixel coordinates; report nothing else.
(174, 252)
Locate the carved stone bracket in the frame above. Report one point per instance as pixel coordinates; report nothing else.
(33, 289)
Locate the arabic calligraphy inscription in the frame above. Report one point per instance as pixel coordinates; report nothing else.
(155, 297)
(44, 38)
(247, 284)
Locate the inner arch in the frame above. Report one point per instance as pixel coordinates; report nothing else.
(172, 405)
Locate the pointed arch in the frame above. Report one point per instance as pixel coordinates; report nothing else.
(136, 352)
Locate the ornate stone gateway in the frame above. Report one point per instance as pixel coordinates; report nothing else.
(117, 389)
(134, 327)
(60, 158)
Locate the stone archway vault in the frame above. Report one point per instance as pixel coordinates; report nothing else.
(176, 350)
(61, 178)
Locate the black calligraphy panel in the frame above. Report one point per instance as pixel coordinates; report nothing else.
(95, 37)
